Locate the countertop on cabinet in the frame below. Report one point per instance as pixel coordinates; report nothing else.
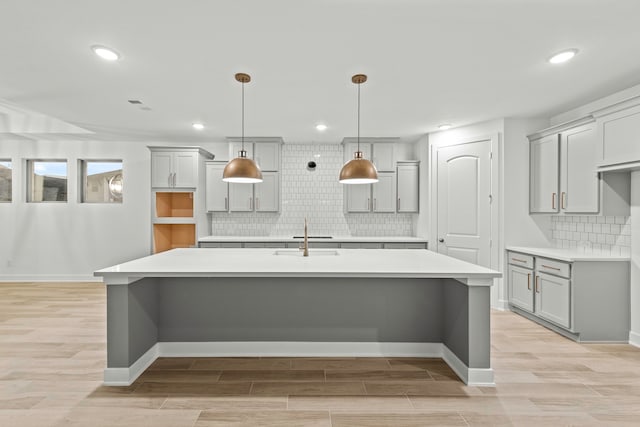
(568, 255)
(338, 239)
(377, 263)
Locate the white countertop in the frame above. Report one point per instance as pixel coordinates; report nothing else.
(239, 239)
(369, 263)
(569, 255)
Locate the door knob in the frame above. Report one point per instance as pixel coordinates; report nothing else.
(441, 240)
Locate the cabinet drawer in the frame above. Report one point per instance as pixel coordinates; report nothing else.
(522, 260)
(360, 245)
(550, 266)
(265, 245)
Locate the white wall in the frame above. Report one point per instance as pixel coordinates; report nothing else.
(68, 241)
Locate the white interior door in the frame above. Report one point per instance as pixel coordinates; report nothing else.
(464, 202)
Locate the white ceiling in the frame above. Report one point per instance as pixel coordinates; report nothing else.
(428, 62)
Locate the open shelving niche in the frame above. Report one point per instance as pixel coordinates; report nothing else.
(178, 210)
(174, 224)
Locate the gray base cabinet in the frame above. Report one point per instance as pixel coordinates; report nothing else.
(583, 300)
(314, 244)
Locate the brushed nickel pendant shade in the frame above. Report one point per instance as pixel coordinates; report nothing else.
(242, 169)
(358, 170)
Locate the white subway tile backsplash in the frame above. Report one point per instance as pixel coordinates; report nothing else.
(316, 195)
(611, 234)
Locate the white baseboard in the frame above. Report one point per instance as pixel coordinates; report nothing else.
(126, 376)
(634, 339)
(502, 305)
(470, 376)
(49, 278)
(298, 349)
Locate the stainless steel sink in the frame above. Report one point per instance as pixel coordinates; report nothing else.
(312, 252)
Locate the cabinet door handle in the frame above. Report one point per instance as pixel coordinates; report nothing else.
(250, 203)
(519, 260)
(529, 281)
(562, 197)
(398, 207)
(538, 284)
(226, 204)
(548, 266)
(368, 204)
(169, 180)
(257, 203)
(553, 200)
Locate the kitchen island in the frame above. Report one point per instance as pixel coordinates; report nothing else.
(266, 302)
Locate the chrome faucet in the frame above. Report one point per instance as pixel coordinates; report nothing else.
(305, 244)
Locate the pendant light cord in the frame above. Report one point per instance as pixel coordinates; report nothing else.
(242, 116)
(358, 116)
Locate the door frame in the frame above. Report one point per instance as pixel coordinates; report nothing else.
(498, 294)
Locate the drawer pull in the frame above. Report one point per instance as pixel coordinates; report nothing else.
(519, 260)
(529, 281)
(548, 266)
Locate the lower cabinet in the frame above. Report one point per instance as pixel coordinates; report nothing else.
(584, 300)
(535, 290)
(552, 299)
(314, 244)
(520, 280)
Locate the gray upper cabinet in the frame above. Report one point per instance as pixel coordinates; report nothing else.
(217, 195)
(260, 197)
(564, 177)
(543, 175)
(408, 190)
(381, 154)
(267, 193)
(619, 134)
(265, 152)
(579, 184)
(175, 167)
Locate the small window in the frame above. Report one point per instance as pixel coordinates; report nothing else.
(102, 181)
(5, 180)
(47, 180)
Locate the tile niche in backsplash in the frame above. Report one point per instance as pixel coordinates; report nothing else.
(609, 234)
(316, 195)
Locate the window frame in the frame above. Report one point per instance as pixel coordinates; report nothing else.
(11, 168)
(83, 181)
(30, 182)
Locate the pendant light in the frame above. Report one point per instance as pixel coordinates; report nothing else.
(358, 170)
(242, 169)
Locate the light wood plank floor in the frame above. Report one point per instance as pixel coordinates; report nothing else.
(52, 353)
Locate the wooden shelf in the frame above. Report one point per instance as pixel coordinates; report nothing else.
(174, 204)
(171, 236)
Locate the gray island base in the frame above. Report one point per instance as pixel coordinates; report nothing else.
(261, 302)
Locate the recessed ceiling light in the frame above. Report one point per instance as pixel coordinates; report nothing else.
(105, 53)
(198, 126)
(563, 56)
(445, 126)
(321, 127)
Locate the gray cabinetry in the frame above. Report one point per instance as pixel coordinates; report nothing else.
(584, 300)
(618, 134)
(520, 284)
(408, 189)
(563, 177)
